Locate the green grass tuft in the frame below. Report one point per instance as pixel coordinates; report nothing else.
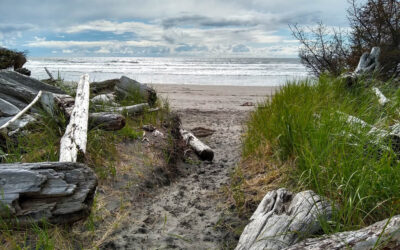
(301, 127)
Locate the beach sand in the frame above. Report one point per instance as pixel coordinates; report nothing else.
(187, 213)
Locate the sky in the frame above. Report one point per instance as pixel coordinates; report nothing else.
(166, 28)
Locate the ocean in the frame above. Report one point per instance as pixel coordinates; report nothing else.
(202, 71)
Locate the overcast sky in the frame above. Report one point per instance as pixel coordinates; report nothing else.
(213, 28)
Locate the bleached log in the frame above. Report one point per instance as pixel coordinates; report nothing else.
(381, 97)
(126, 85)
(75, 137)
(381, 235)
(368, 64)
(17, 116)
(104, 98)
(283, 218)
(201, 149)
(49, 74)
(58, 192)
(130, 110)
(380, 137)
(106, 121)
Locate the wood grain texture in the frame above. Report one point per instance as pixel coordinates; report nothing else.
(60, 192)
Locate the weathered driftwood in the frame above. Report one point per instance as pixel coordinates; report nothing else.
(7, 108)
(381, 235)
(59, 192)
(50, 102)
(75, 137)
(49, 74)
(104, 86)
(380, 137)
(381, 97)
(201, 149)
(23, 87)
(284, 218)
(368, 64)
(106, 121)
(15, 101)
(130, 110)
(17, 116)
(125, 86)
(103, 98)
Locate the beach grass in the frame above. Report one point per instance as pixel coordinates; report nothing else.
(42, 143)
(300, 140)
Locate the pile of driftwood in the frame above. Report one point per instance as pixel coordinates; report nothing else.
(284, 220)
(59, 192)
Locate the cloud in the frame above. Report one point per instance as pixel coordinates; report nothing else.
(9, 28)
(240, 48)
(190, 48)
(207, 27)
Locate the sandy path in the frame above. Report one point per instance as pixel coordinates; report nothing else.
(184, 214)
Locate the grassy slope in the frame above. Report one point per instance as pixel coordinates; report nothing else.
(298, 140)
(42, 144)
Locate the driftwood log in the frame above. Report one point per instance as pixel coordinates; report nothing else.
(381, 235)
(381, 97)
(130, 110)
(103, 98)
(368, 64)
(59, 192)
(106, 121)
(51, 102)
(75, 137)
(7, 108)
(201, 149)
(379, 137)
(125, 86)
(104, 86)
(283, 218)
(22, 87)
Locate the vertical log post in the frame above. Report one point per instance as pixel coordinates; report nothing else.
(75, 137)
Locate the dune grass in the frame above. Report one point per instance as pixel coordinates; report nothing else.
(42, 144)
(299, 139)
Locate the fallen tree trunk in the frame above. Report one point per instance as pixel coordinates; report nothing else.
(381, 235)
(130, 110)
(59, 192)
(23, 87)
(202, 150)
(127, 86)
(283, 218)
(75, 137)
(381, 97)
(106, 121)
(104, 86)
